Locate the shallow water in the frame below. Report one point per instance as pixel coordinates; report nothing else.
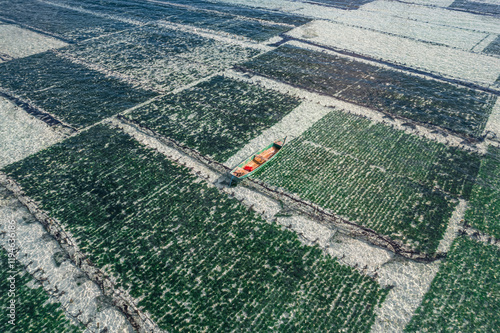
(407, 144)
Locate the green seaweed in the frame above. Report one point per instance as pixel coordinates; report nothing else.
(71, 92)
(198, 259)
(455, 108)
(216, 117)
(483, 210)
(465, 295)
(395, 183)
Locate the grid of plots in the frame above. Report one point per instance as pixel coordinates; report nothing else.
(465, 294)
(71, 92)
(216, 117)
(197, 259)
(458, 109)
(484, 206)
(159, 57)
(395, 183)
(58, 21)
(33, 311)
(256, 24)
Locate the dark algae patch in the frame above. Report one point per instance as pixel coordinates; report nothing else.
(71, 92)
(216, 117)
(458, 109)
(256, 24)
(483, 211)
(61, 22)
(398, 184)
(33, 312)
(465, 294)
(493, 47)
(198, 259)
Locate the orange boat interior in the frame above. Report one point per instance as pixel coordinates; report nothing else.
(257, 161)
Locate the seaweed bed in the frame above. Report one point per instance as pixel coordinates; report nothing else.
(465, 295)
(462, 110)
(197, 259)
(405, 188)
(216, 117)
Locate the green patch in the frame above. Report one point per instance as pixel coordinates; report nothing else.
(465, 294)
(458, 109)
(395, 183)
(199, 260)
(71, 92)
(32, 310)
(216, 117)
(493, 47)
(483, 210)
(59, 21)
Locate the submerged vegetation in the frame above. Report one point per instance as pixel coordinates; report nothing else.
(385, 179)
(216, 117)
(71, 92)
(197, 259)
(458, 109)
(484, 206)
(465, 294)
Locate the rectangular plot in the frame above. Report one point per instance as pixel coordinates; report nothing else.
(464, 292)
(480, 7)
(238, 20)
(484, 207)
(216, 117)
(493, 47)
(33, 311)
(71, 92)
(151, 224)
(375, 176)
(462, 110)
(61, 22)
(159, 57)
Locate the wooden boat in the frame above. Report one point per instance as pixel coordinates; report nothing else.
(251, 164)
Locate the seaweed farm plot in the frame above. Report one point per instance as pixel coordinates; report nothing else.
(256, 24)
(71, 92)
(216, 117)
(493, 47)
(455, 108)
(484, 206)
(480, 7)
(159, 57)
(33, 311)
(197, 259)
(57, 21)
(398, 184)
(465, 294)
